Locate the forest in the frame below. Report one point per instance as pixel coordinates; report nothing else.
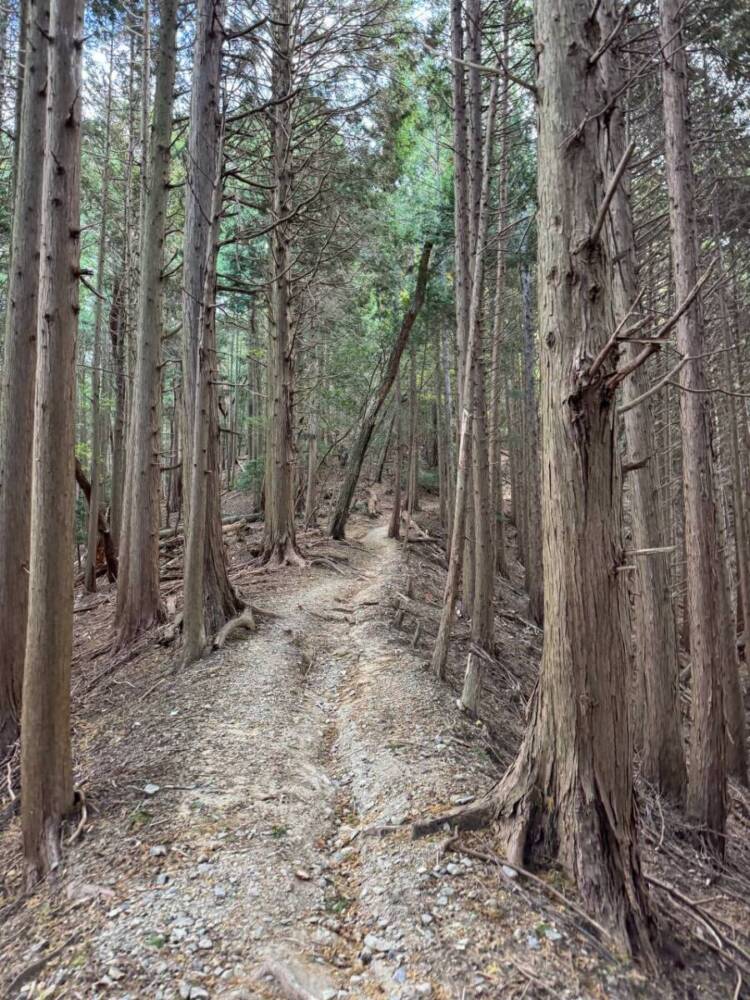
(374, 499)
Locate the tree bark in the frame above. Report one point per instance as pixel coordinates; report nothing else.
(706, 599)
(18, 372)
(469, 407)
(498, 317)
(139, 604)
(201, 475)
(394, 525)
(97, 431)
(413, 464)
(569, 794)
(46, 772)
(280, 541)
(533, 517)
(359, 449)
(655, 630)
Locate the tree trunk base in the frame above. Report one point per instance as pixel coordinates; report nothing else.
(282, 553)
(134, 628)
(472, 688)
(594, 850)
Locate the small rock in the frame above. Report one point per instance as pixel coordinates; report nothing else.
(198, 993)
(303, 876)
(400, 974)
(162, 878)
(151, 789)
(552, 935)
(220, 892)
(375, 943)
(454, 869)
(328, 994)
(427, 918)
(423, 990)
(509, 872)
(532, 942)
(461, 800)
(185, 990)
(205, 943)
(114, 973)
(158, 851)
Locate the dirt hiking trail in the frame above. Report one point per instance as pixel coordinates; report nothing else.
(253, 838)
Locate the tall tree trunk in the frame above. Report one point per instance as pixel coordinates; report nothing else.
(655, 630)
(18, 371)
(533, 518)
(738, 496)
(498, 317)
(441, 434)
(468, 409)
(120, 332)
(194, 624)
(46, 772)
(413, 491)
(280, 541)
(394, 525)
(450, 454)
(203, 205)
(312, 449)
(117, 332)
(569, 794)
(706, 598)
(97, 431)
(373, 408)
(139, 604)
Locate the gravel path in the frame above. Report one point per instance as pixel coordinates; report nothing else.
(262, 844)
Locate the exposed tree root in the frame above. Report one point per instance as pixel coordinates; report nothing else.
(475, 816)
(246, 620)
(539, 818)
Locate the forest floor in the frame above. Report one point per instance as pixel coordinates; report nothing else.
(248, 818)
